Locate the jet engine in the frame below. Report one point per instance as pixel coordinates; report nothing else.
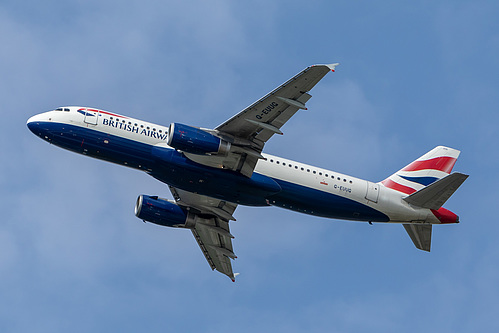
(162, 212)
(196, 141)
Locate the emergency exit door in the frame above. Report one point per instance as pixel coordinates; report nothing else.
(372, 193)
(91, 116)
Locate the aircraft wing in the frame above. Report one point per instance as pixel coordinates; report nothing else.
(248, 130)
(211, 230)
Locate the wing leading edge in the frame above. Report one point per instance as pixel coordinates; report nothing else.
(250, 129)
(264, 118)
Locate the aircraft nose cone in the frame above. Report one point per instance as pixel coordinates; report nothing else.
(31, 123)
(38, 125)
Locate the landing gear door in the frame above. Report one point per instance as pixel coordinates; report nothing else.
(91, 116)
(372, 193)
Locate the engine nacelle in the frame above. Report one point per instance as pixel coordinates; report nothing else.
(196, 141)
(161, 211)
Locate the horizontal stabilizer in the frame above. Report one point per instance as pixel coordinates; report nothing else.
(436, 194)
(420, 235)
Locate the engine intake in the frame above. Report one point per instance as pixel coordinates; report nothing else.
(196, 141)
(161, 211)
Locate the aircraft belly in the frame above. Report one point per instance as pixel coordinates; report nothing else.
(176, 170)
(319, 203)
(171, 168)
(100, 145)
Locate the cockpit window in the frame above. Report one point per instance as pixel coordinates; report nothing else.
(66, 109)
(59, 109)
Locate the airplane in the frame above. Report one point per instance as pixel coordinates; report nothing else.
(211, 171)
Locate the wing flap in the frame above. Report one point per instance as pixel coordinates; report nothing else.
(216, 247)
(276, 107)
(211, 228)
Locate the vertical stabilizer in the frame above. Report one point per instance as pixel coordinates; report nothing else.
(432, 166)
(428, 184)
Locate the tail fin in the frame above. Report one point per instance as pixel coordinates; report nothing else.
(428, 183)
(433, 197)
(432, 166)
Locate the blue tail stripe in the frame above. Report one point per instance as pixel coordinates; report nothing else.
(420, 180)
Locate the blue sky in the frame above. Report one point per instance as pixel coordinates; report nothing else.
(413, 75)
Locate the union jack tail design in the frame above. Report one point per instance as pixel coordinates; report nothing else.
(432, 166)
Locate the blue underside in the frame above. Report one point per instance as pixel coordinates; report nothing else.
(171, 167)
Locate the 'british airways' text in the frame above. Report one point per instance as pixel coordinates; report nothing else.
(134, 129)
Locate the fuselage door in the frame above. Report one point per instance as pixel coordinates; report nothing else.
(91, 116)
(372, 193)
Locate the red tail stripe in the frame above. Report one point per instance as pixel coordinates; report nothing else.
(112, 114)
(444, 164)
(397, 187)
(445, 215)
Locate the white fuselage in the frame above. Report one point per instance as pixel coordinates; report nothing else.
(305, 188)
